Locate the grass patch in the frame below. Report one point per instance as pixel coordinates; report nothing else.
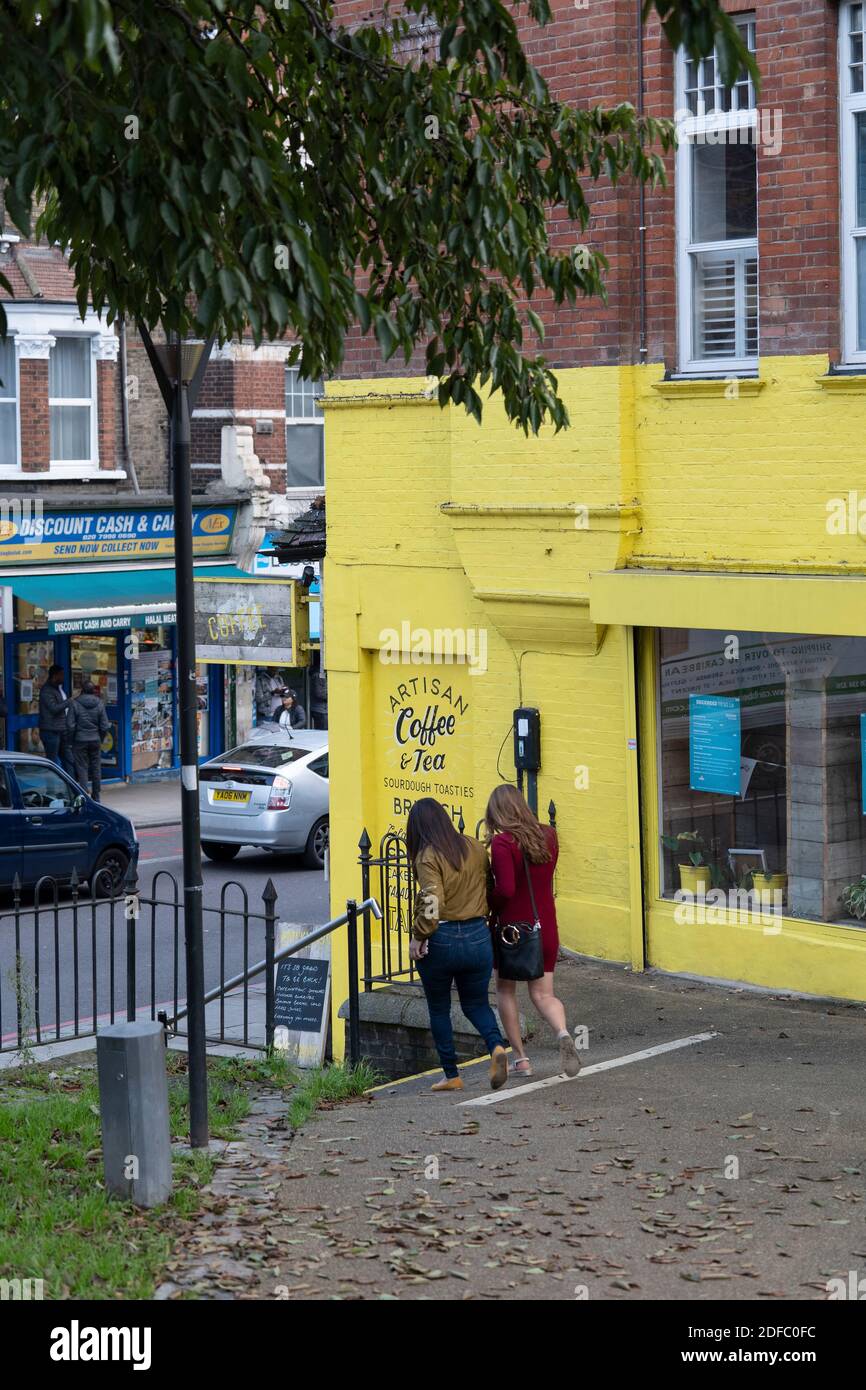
(57, 1223)
(325, 1086)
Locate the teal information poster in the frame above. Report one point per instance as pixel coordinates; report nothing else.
(863, 760)
(714, 744)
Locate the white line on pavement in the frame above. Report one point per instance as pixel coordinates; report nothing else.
(496, 1096)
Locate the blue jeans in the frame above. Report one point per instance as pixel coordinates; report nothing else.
(56, 747)
(462, 953)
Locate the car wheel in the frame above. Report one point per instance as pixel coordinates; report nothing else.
(220, 853)
(109, 873)
(317, 845)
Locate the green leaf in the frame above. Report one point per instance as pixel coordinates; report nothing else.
(169, 217)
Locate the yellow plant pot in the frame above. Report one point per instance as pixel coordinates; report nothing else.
(765, 885)
(694, 877)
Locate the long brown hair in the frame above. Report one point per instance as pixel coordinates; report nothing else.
(429, 826)
(508, 812)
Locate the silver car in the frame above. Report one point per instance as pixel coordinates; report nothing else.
(271, 792)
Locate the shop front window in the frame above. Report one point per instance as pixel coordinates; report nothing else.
(760, 767)
(152, 701)
(32, 663)
(202, 690)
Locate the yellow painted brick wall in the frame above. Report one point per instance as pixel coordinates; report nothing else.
(717, 483)
(744, 482)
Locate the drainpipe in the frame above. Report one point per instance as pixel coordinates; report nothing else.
(642, 352)
(124, 412)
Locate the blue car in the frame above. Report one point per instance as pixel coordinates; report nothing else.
(50, 826)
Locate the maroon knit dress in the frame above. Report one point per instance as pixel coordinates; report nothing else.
(510, 896)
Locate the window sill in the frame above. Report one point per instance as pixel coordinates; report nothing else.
(83, 473)
(850, 383)
(727, 386)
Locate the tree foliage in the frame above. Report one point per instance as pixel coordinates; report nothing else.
(222, 165)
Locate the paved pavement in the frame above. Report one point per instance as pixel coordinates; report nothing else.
(730, 1168)
(145, 803)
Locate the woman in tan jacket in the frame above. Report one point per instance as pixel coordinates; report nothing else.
(450, 937)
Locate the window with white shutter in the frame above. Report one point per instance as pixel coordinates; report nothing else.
(717, 216)
(852, 125)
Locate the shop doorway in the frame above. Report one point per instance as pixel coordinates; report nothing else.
(100, 661)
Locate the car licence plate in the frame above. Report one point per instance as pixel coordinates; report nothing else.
(224, 795)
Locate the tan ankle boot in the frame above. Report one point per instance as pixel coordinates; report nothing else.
(498, 1067)
(448, 1083)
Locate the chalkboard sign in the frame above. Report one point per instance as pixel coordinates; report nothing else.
(301, 994)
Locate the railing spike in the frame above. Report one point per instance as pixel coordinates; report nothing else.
(269, 895)
(365, 844)
(461, 824)
(551, 811)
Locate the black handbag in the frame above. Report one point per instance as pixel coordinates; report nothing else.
(519, 954)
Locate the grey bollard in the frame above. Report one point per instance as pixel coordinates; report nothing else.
(133, 1105)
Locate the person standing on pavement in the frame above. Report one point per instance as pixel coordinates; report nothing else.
(53, 725)
(450, 937)
(521, 846)
(292, 715)
(88, 725)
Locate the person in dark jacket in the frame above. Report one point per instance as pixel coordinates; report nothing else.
(53, 725)
(291, 715)
(88, 725)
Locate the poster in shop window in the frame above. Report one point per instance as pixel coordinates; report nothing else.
(714, 744)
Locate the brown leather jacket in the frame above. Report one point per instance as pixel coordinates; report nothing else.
(445, 894)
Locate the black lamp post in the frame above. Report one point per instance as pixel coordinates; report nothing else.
(179, 368)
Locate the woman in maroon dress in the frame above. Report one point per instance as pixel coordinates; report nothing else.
(517, 840)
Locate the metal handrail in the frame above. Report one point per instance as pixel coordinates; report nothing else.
(350, 916)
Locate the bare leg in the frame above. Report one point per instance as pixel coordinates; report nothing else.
(506, 997)
(551, 1010)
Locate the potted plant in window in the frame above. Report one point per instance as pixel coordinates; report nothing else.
(766, 885)
(698, 871)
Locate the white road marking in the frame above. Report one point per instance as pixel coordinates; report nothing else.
(496, 1096)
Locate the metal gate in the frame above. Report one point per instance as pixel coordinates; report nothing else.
(390, 876)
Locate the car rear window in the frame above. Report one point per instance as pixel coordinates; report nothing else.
(263, 754)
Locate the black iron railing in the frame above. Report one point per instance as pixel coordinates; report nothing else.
(72, 960)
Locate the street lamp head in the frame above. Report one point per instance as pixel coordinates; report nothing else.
(179, 360)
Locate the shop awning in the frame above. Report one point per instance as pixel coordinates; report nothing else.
(107, 601)
(830, 605)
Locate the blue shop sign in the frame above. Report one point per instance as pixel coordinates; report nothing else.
(714, 744)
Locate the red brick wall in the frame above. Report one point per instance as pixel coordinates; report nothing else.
(35, 431)
(106, 388)
(589, 56)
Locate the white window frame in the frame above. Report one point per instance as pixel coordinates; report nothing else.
(8, 470)
(303, 489)
(850, 103)
(46, 321)
(86, 464)
(690, 127)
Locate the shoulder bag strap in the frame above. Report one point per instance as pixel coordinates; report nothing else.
(536, 921)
